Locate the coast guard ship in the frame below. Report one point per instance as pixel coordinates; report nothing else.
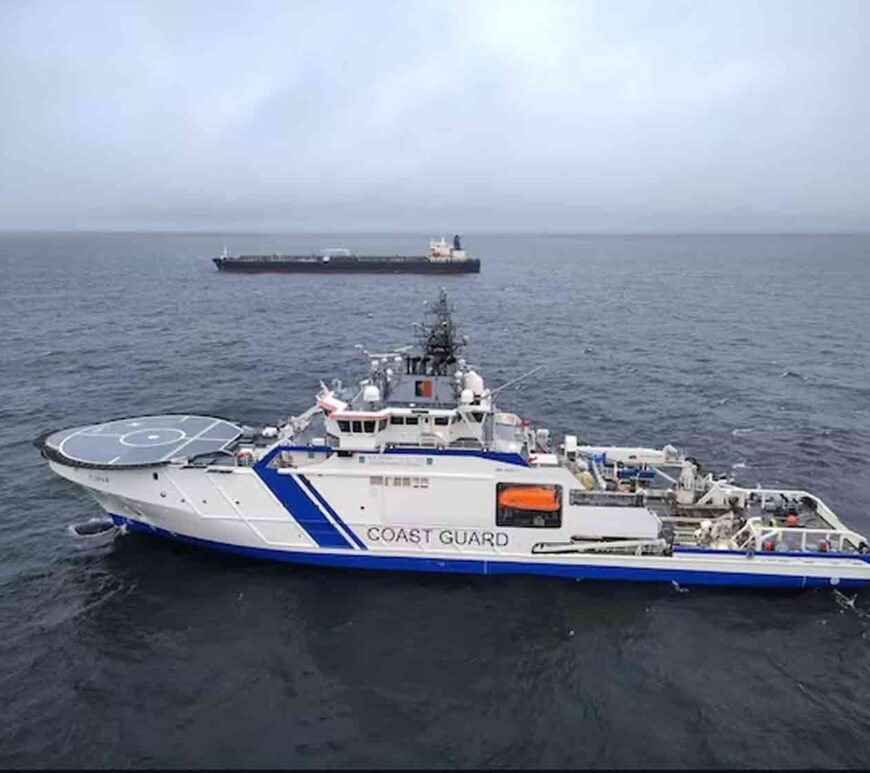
(415, 468)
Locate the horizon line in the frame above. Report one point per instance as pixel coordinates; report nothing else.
(386, 232)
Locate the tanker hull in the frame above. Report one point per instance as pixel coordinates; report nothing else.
(348, 266)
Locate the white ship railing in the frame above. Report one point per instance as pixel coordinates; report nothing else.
(754, 535)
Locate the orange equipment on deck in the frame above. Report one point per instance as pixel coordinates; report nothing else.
(529, 498)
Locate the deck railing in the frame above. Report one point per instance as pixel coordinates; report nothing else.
(754, 535)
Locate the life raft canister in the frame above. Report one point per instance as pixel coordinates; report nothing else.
(529, 498)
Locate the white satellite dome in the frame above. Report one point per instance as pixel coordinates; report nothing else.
(474, 382)
(371, 394)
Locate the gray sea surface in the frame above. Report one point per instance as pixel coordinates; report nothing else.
(750, 353)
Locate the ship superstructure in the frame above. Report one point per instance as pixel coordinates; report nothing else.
(415, 467)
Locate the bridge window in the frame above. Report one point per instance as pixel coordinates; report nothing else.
(357, 426)
(397, 420)
(526, 505)
(369, 427)
(442, 421)
(412, 420)
(344, 425)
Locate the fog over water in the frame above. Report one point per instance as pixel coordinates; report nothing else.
(429, 116)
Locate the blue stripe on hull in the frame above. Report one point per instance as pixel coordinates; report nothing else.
(361, 560)
(290, 494)
(493, 456)
(335, 516)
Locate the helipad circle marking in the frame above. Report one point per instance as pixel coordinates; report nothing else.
(156, 436)
(142, 441)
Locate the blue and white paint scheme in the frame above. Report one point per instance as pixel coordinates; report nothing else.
(416, 469)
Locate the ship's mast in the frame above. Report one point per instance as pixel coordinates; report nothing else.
(440, 339)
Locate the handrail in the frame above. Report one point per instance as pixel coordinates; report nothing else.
(756, 533)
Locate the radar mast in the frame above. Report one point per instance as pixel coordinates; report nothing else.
(440, 337)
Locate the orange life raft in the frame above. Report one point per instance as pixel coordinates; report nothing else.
(529, 498)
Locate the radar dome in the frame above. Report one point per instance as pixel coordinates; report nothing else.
(371, 394)
(474, 382)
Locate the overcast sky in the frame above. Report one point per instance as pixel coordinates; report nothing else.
(455, 116)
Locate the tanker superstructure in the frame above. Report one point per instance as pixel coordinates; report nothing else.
(414, 467)
(442, 258)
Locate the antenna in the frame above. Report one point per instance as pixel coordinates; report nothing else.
(515, 380)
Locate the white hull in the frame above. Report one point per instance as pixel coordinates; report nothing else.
(328, 512)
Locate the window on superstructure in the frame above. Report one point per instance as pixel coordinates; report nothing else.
(369, 427)
(412, 420)
(442, 421)
(382, 425)
(402, 482)
(344, 425)
(357, 426)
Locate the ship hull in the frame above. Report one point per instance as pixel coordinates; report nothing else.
(684, 571)
(294, 516)
(356, 266)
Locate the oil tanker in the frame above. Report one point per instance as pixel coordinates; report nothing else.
(442, 258)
